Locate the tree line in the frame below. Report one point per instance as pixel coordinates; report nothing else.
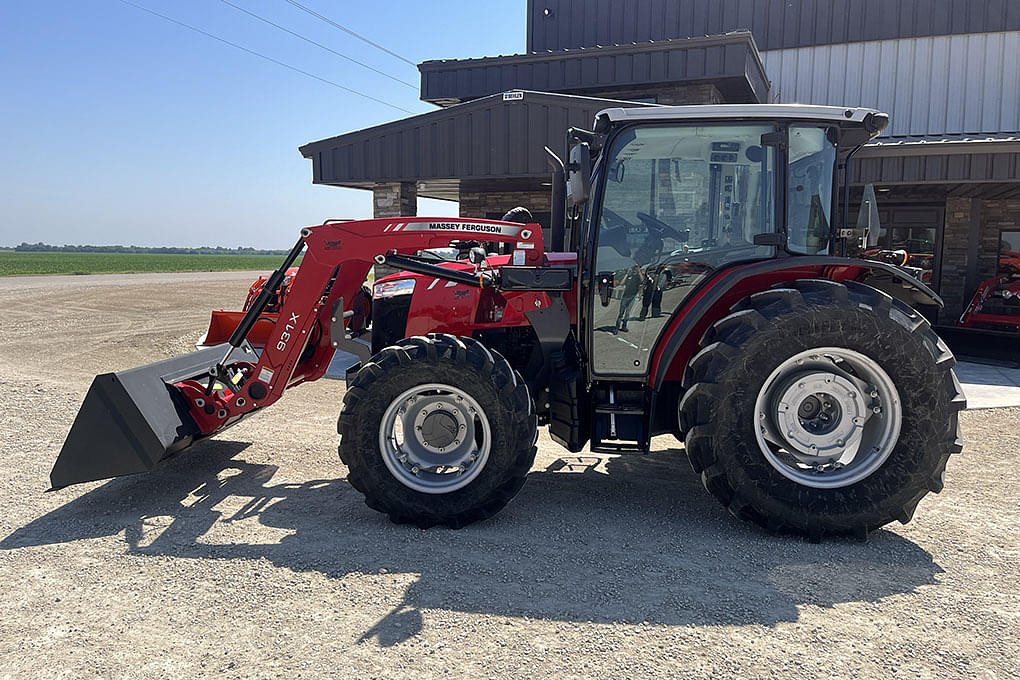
(202, 250)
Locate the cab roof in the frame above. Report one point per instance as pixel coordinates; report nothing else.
(740, 111)
(871, 120)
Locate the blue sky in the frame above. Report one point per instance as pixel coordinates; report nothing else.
(120, 127)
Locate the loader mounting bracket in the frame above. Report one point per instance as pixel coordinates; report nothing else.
(357, 343)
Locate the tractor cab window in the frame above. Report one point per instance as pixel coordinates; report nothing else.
(812, 158)
(677, 203)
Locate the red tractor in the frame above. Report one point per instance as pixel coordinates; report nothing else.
(809, 393)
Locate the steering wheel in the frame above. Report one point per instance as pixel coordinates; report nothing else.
(660, 227)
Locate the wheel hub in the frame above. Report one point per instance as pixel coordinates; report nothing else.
(827, 417)
(439, 430)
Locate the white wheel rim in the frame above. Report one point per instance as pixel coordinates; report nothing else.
(435, 438)
(827, 417)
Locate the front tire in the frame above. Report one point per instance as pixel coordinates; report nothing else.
(821, 408)
(437, 430)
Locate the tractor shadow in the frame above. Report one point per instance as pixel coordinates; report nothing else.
(634, 540)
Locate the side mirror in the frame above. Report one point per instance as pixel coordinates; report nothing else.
(579, 174)
(605, 287)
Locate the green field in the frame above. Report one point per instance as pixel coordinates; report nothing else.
(21, 264)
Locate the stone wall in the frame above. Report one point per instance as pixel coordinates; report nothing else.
(955, 243)
(494, 204)
(395, 199)
(670, 95)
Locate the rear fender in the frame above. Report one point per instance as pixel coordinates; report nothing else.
(717, 294)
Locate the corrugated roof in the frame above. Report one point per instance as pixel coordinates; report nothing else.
(496, 137)
(930, 145)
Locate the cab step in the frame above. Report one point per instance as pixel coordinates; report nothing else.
(620, 418)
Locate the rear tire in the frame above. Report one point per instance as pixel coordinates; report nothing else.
(402, 461)
(763, 458)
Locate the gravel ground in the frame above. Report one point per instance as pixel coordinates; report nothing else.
(251, 556)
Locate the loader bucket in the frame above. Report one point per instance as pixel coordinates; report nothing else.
(132, 420)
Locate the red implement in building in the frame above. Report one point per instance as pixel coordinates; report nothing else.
(995, 306)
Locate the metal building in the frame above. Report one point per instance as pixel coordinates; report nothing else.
(946, 172)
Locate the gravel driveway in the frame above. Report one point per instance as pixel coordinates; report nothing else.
(251, 556)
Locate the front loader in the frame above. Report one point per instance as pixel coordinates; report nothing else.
(700, 283)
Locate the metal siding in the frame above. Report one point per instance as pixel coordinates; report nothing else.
(973, 94)
(930, 86)
(1012, 15)
(920, 88)
(873, 77)
(957, 75)
(1009, 113)
(776, 24)
(903, 100)
(697, 63)
(883, 76)
(923, 17)
(805, 23)
(991, 98)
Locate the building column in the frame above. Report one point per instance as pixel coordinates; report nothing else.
(395, 199)
(955, 251)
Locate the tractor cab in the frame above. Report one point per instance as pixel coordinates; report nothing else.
(677, 195)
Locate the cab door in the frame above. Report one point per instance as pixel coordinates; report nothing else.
(677, 202)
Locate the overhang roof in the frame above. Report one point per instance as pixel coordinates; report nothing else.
(922, 145)
(952, 160)
(730, 62)
(500, 136)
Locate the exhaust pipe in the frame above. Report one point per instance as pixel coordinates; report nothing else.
(133, 420)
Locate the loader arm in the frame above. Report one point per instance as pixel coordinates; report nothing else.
(133, 420)
(337, 258)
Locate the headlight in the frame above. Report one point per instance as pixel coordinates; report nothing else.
(1007, 293)
(387, 289)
